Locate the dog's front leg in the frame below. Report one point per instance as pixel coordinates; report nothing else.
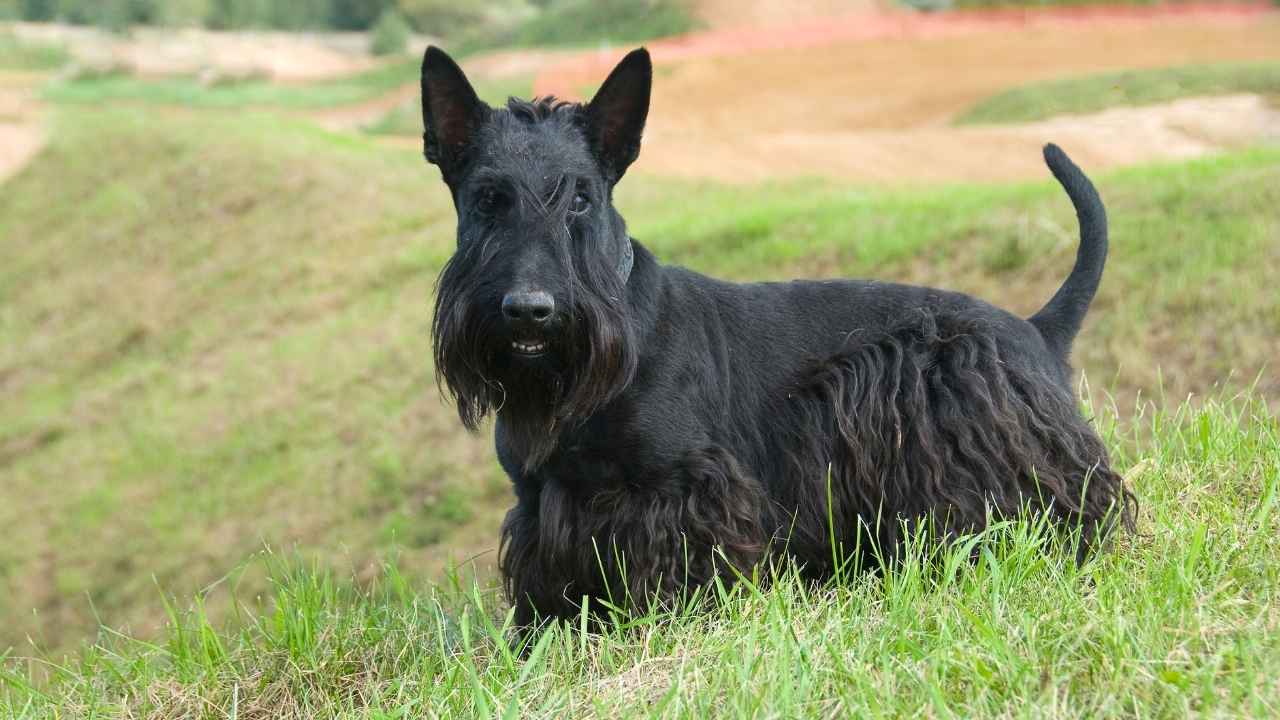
(632, 547)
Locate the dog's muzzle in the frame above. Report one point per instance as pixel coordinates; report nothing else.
(527, 314)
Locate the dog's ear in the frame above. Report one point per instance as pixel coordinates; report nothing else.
(615, 116)
(451, 111)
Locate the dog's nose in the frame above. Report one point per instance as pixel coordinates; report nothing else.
(528, 308)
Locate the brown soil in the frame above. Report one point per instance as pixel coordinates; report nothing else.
(1121, 136)
(869, 97)
(865, 96)
(719, 14)
(22, 132)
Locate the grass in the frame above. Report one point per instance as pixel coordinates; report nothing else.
(94, 88)
(18, 54)
(1181, 620)
(588, 22)
(1093, 93)
(213, 334)
(406, 118)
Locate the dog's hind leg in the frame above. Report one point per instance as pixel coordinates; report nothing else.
(931, 421)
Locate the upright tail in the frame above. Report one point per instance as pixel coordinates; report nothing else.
(1059, 320)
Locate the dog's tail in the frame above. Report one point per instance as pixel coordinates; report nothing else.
(1059, 320)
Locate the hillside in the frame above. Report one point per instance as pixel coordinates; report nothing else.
(214, 337)
(1178, 621)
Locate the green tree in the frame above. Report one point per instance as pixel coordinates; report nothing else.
(443, 18)
(120, 15)
(182, 13)
(298, 14)
(280, 14)
(39, 10)
(113, 16)
(390, 34)
(78, 12)
(235, 14)
(356, 14)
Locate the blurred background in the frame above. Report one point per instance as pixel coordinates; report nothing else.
(218, 241)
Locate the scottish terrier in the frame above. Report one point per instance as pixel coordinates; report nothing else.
(663, 429)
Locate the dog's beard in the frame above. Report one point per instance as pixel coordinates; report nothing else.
(590, 358)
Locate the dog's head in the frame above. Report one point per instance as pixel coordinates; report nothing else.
(530, 316)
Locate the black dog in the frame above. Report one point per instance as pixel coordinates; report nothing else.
(662, 428)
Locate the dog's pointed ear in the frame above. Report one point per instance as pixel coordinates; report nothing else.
(615, 116)
(451, 111)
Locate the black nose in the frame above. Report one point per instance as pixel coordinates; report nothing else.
(529, 309)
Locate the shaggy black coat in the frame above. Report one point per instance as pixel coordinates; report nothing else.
(672, 428)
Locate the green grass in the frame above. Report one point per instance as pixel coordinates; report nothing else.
(406, 118)
(1178, 621)
(97, 88)
(17, 54)
(1128, 88)
(587, 23)
(214, 334)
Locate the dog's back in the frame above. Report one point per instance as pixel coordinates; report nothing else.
(814, 319)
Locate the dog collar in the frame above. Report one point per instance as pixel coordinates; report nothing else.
(628, 260)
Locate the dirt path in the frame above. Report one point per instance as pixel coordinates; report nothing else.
(22, 130)
(149, 51)
(721, 14)
(864, 96)
(869, 97)
(1122, 136)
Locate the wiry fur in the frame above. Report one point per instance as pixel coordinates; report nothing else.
(679, 429)
(468, 346)
(627, 546)
(928, 422)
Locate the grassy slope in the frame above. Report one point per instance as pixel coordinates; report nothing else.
(16, 54)
(1092, 93)
(213, 333)
(587, 23)
(97, 88)
(1181, 620)
(406, 118)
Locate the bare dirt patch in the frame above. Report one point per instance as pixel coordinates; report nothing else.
(22, 131)
(769, 13)
(164, 51)
(870, 96)
(1122, 136)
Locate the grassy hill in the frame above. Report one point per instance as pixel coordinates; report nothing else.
(213, 337)
(95, 88)
(1092, 93)
(1180, 620)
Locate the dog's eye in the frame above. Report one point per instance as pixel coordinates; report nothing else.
(581, 204)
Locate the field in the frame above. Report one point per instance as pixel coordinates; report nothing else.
(1093, 93)
(215, 369)
(1179, 622)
